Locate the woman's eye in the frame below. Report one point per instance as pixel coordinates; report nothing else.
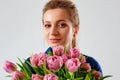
(47, 25)
(62, 25)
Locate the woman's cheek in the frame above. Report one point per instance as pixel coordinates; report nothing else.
(45, 36)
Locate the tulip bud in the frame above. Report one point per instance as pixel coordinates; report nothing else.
(10, 67)
(37, 77)
(17, 75)
(50, 77)
(86, 67)
(72, 64)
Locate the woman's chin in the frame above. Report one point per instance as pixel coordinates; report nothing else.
(54, 45)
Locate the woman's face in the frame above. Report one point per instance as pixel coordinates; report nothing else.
(58, 29)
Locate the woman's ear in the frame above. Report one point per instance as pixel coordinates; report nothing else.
(76, 30)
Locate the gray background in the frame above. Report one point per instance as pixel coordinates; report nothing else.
(21, 31)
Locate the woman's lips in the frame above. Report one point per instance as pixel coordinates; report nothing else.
(54, 40)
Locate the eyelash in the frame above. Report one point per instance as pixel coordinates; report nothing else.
(47, 25)
(61, 25)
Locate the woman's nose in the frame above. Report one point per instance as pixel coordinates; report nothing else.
(54, 30)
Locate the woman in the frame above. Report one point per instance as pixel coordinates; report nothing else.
(61, 25)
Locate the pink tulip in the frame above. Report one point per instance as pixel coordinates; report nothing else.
(42, 58)
(10, 67)
(65, 58)
(86, 66)
(37, 77)
(75, 53)
(17, 76)
(50, 77)
(34, 60)
(38, 60)
(83, 59)
(54, 63)
(73, 64)
(58, 50)
(97, 74)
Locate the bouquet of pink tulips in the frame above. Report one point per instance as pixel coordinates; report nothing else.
(54, 66)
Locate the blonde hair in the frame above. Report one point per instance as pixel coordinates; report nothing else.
(70, 7)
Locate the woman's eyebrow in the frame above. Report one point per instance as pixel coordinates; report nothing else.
(46, 22)
(56, 21)
(61, 21)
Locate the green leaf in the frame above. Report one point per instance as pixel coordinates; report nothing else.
(25, 69)
(8, 76)
(61, 78)
(71, 75)
(87, 77)
(21, 67)
(44, 68)
(80, 78)
(63, 72)
(94, 78)
(50, 53)
(19, 79)
(49, 72)
(67, 74)
(106, 77)
(65, 49)
(39, 71)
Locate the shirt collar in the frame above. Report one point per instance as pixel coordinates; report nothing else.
(49, 50)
